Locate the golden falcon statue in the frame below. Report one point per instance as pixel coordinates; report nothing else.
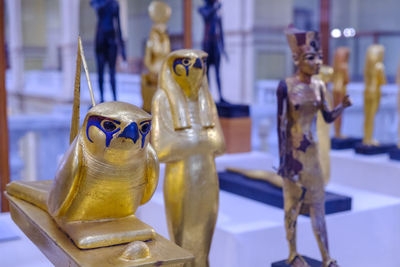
(187, 137)
(157, 49)
(374, 78)
(300, 98)
(109, 170)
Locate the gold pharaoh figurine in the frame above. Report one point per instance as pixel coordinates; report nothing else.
(300, 97)
(340, 81)
(109, 170)
(187, 136)
(374, 77)
(157, 49)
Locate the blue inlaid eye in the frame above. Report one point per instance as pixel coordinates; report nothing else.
(109, 126)
(105, 125)
(184, 62)
(145, 127)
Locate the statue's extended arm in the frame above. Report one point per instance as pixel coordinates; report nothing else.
(331, 115)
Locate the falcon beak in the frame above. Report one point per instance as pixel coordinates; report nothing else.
(198, 64)
(131, 132)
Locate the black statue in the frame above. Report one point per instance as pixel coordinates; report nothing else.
(108, 40)
(213, 42)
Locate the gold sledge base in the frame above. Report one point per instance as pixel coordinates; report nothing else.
(97, 234)
(61, 251)
(85, 234)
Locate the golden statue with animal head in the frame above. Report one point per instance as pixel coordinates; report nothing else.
(109, 170)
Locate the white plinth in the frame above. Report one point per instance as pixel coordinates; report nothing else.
(250, 233)
(376, 173)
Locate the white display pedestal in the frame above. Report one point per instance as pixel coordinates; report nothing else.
(250, 233)
(376, 173)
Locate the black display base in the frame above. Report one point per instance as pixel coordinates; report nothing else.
(344, 143)
(311, 262)
(227, 110)
(360, 148)
(395, 154)
(266, 193)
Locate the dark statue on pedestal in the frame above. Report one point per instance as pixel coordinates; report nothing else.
(234, 117)
(213, 40)
(108, 41)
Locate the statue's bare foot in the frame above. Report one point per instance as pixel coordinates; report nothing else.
(299, 261)
(330, 263)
